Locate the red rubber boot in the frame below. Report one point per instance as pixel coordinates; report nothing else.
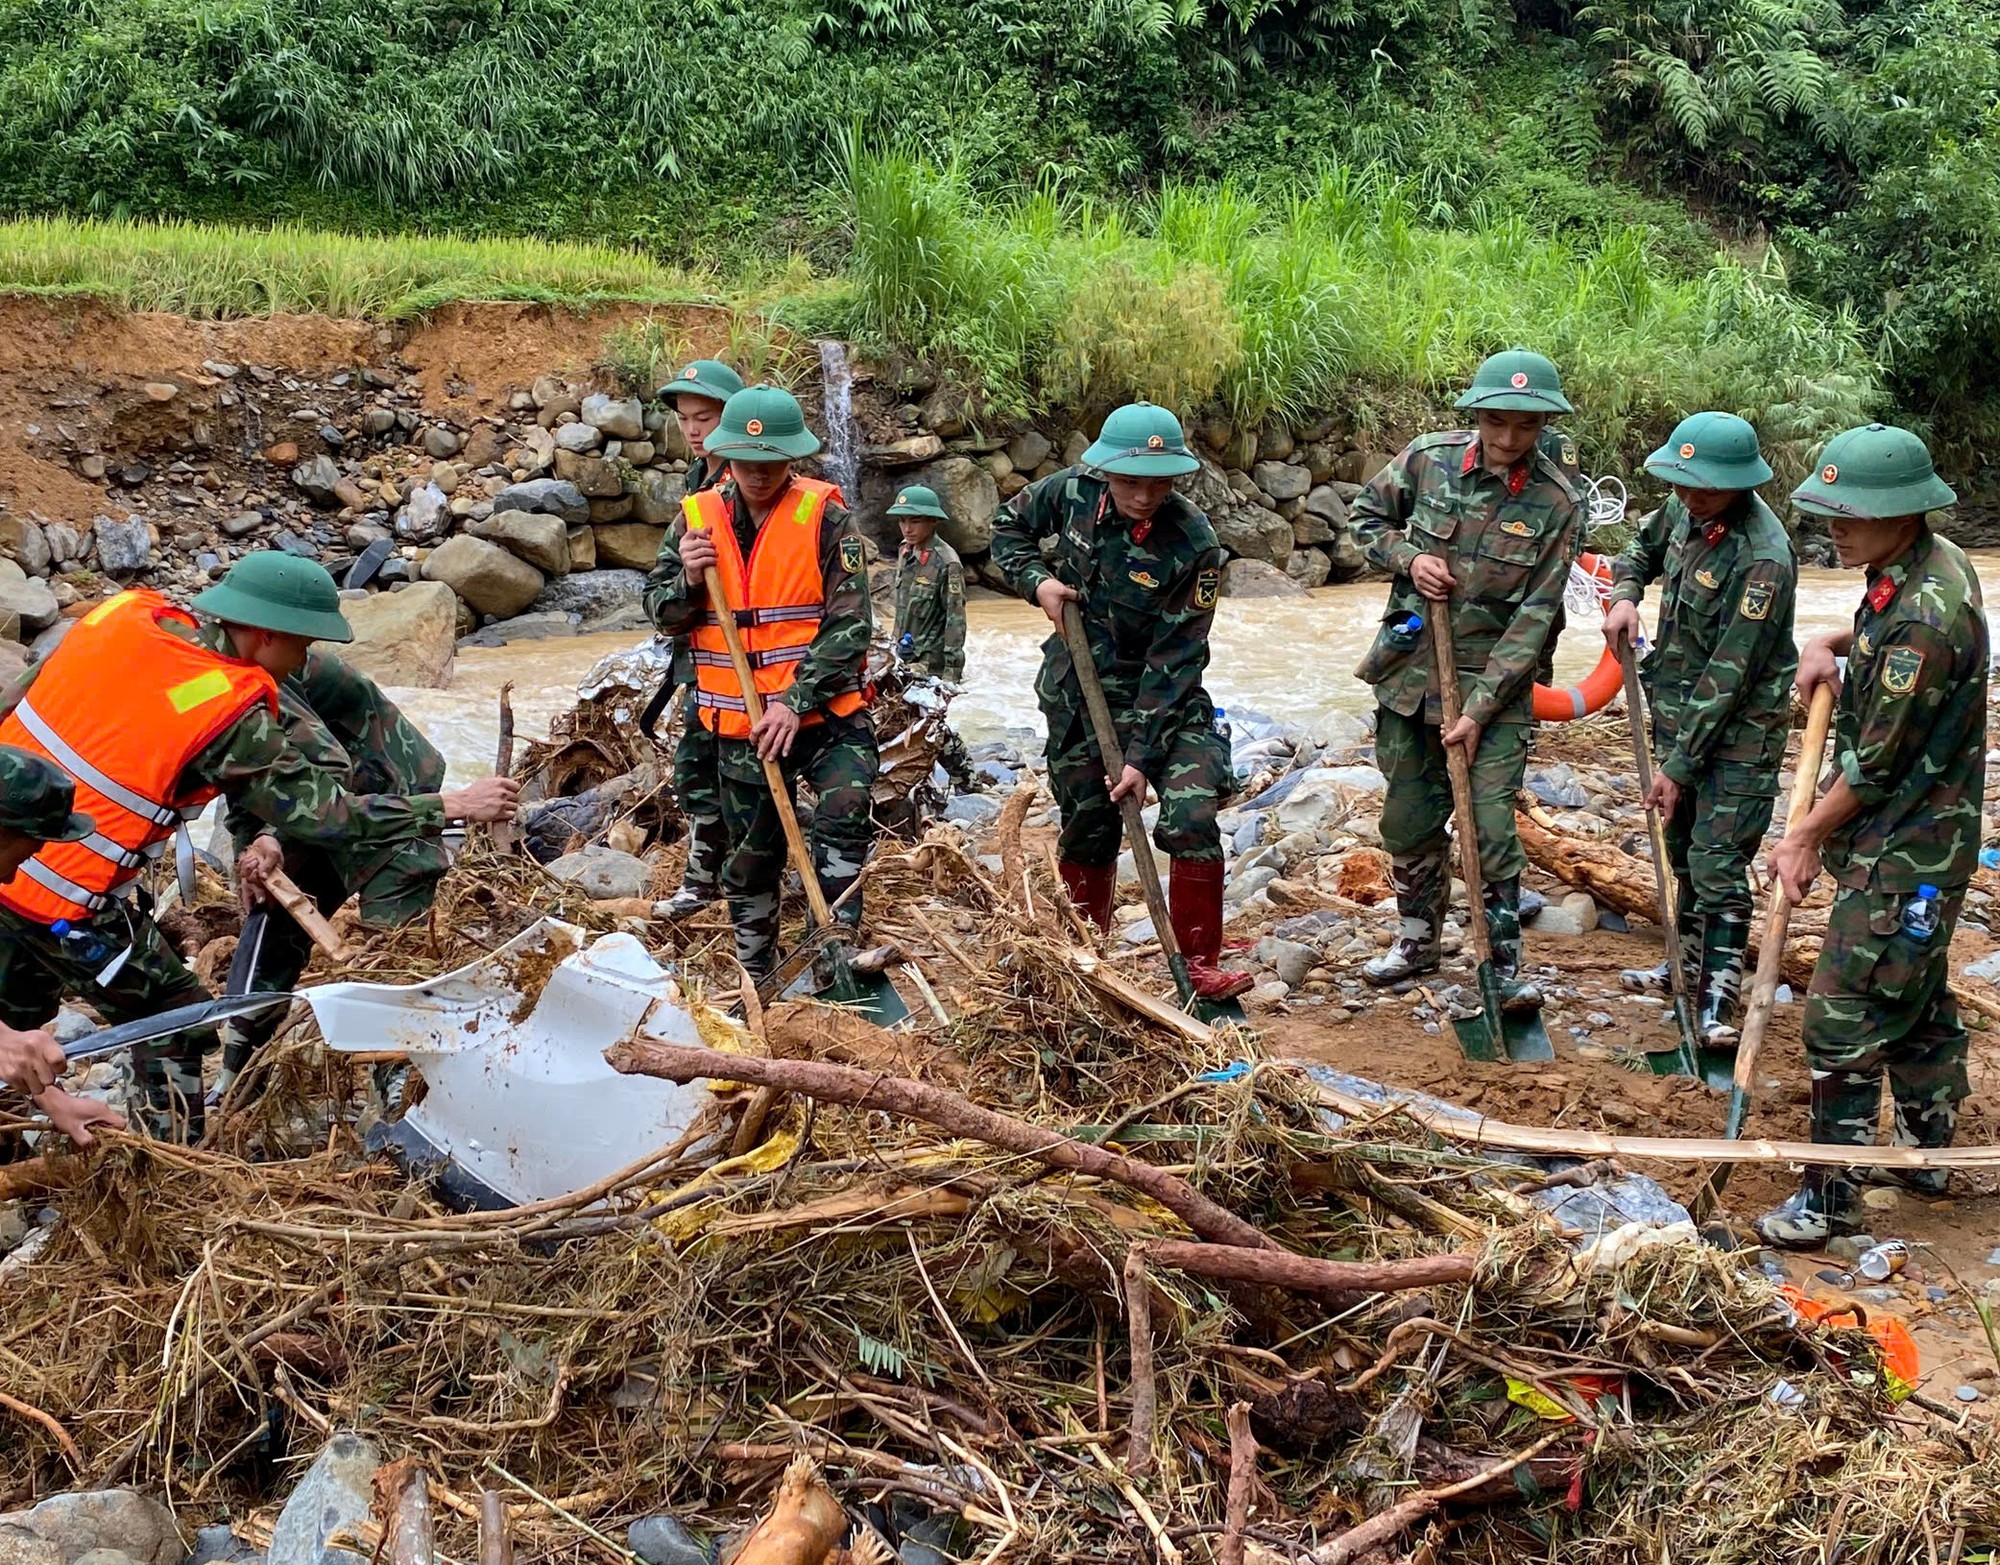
(1091, 887)
(1194, 902)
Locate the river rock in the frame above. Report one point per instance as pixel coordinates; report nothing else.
(628, 545)
(657, 501)
(551, 496)
(1291, 960)
(596, 596)
(582, 548)
(545, 625)
(1558, 787)
(404, 637)
(75, 1526)
(1029, 450)
(601, 872)
(1253, 533)
(622, 418)
(27, 599)
(218, 1545)
(967, 490)
(318, 478)
(1575, 914)
(1324, 794)
(1258, 579)
(122, 547)
(23, 540)
(1308, 567)
(592, 475)
(335, 1494)
(541, 540)
(910, 451)
(1345, 554)
(426, 516)
(663, 1540)
(1324, 501)
(485, 575)
(1309, 529)
(1282, 480)
(577, 438)
(440, 442)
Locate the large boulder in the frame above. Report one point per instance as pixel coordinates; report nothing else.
(336, 1495)
(490, 579)
(426, 516)
(603, 872)
(969, 493)
(582, 548)
(68, 1527)
(576, 438)
(24, 541)
(1258, 579)
(1345, 554)
(622, 418)
(541, 540)
(1254, 533)
(657, 501)
(1325, 501)
(1282, 480)
(1308, 567)
(628, 545)
(597, 596)
(592, 475)
(1029, 450)
(123, 548)
(404, 637)
(552, 496)
(26, 600)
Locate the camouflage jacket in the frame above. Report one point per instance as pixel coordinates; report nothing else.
(339, 719)
(834, 658)
(269, 779)
(1719, 675)
(930, 609)
(703, 473)
(1910, 728)
(1509, 543)
(1149, 595)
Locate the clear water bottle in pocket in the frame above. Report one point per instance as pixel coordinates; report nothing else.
(1920, 914)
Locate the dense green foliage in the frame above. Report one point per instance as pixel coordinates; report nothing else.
(1863, 140)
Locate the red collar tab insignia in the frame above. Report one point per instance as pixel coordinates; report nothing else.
(1471, 458)
(1156, 442)
(1517, 477)
(1520, 380)
(754, 426)
(1687, 450)
(1713, 533)
(1141, 531)
(1883, 594)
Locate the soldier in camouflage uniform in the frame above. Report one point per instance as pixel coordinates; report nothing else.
(1718, 681)
(1145, 569)
(269, 609)
(929, 634)
(1898, 829)
(697, 395)
(1485, 521)
(816, 723)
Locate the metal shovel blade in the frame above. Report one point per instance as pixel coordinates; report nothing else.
(1492, 1030)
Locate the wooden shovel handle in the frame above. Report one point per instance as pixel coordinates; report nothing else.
(1663, 880)
(1771, 956)
(305, 913)
(1445, 652)
(774, 777)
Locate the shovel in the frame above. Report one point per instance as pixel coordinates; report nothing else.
(1130, 812)
(1687, 1059)
(1482, 1036)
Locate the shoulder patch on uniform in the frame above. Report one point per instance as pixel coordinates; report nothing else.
(1569, 452)
(1900, 670)
(853, 558)
(1756, 602)
(1207, 587)
(1517, 529)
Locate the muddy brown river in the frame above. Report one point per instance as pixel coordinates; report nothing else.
(1290, 658)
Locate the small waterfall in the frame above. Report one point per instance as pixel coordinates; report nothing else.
(842, 458)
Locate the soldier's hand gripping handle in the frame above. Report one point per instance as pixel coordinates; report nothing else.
(1433, 577)
(486, 801)
(1050, 596)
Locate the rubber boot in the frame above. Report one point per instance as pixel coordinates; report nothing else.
(1824, 1205)
(701, 880)
(1423, 887)
(1656, 979)
(169, 1070)
(1194, 904)
(1718, 999)
(1918, 1125)
(1091, 887)
(756, 922)
(1503, 933)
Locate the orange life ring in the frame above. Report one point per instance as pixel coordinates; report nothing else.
(1602, 683)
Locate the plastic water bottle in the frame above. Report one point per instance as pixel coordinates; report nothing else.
(80, 945)
(1404, 637)
(908, 644)
(1920, 914)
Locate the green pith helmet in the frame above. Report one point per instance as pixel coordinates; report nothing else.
(1141, 440)
(709, 378)
(916, 500)
(1516, 381)
(761, 424)
(1711, 451)
(273, 590)
(35, 799)
(1875, 473)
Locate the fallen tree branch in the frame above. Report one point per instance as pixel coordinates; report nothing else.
(1242, 1480)
(949, 1112)
(1145, 1391)
(1405, 1514)
(1309, 1274)
(48, 1421)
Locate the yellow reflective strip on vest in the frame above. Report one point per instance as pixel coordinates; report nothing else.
(691, 507)
(108, 607)
(198, 691)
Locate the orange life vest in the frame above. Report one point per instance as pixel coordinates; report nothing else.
(786, 596)
(122, 705)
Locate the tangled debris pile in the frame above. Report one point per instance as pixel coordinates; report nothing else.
(997, 1291)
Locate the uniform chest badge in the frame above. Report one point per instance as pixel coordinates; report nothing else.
(1862, 645)
(1145, 578)
(1207, 588)
(853, 558)
(1706, 578)
(1900, 670)
(1756, 602)
(1517, 529)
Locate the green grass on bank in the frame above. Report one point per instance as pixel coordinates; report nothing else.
(218, 272)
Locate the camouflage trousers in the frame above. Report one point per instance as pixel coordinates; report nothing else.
(698, 788)
(1192, 782)
(1880, 1003)
(1417, 807)
(1712, 837)
(36, 972)
(837, 759)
